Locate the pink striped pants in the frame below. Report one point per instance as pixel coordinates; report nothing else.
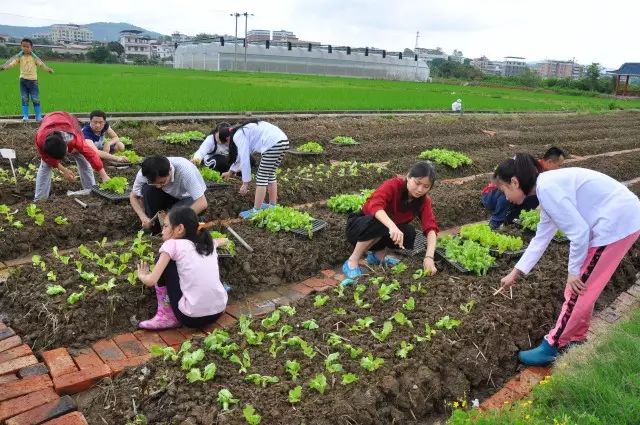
(599, 266)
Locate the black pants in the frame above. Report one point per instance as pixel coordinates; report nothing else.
(361, 227)
(156, 199)
(171, 280)
(220, 163)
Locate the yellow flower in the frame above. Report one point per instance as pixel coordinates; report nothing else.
(455, 404)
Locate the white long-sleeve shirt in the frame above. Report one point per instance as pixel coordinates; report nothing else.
(591, 208)
(207, 146)
(254, 138)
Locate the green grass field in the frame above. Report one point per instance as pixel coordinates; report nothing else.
(81, 87)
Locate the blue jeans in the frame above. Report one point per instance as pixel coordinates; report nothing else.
(29, 88)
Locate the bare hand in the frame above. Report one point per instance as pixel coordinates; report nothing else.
(122, 159)
(146, 223)
(143, 272)
(227, 174)
(220, 242)
(429, 266)
(397, 236)
(244, 189)
(576, 285)
(68, 175)
(510, 279)
(50, 70)
(198, 161)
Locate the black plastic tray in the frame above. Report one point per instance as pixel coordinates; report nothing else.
(216, 185)
(557, 239)
(294, 152)
(517, 253)
(419, 246)
(316, 226)
(110, 195)
(224, 254)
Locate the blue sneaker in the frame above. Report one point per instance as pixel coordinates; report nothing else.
(543, 355)
(266, 205)
(346, 282)
(351, 273)
(372, 260)
(247, 214)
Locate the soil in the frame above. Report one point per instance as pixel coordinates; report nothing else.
(468, 362)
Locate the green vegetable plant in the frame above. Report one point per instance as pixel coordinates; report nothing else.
(310, 324)
(211, 175)
(271, 320)
(311, 147)
(51, 276)
(447, 157)
(385, 290)
(371, 363)
(127, 141)
(320, 300)
(469, 254)
(107, 286)
(244, 363)
(331, 363)
(399, 268)
(318, 383)
(251, 415)
(387, 328)
(447, 323)
(182, 138)
(348, 202)
(344, 140)
(64, 259)
(428, 333)
(76, 296)
(468, 306)
(282, 218)
(55, 290)
(404, 350)
(349, 378)
(529, 221)
(61, 220)
(339, 311)
(190, 359)
(293, 368)
(37, 261)
(287, 309)
(225, 398)
(295, 395)
(362, 324)
(115, 184)
(194, 375)
(401, 319)
(252, 337)
(354, 352)
(410, 304)
(131, 155)
(167, 353)
(485, 236)
(36, 214)
(261, 380)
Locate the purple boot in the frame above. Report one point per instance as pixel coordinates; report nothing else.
(164, 318)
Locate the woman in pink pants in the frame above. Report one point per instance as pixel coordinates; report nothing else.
(601, 218)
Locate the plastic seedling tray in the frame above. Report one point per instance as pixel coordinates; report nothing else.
(316, 226)
(216, 185)
(440, 253)
(558, 239)
(516, 253)
(419, 245)
(110, 195)
(293, 152)
(224, 254)
(196, 139)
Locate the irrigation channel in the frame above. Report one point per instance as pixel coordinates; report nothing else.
(416, 389)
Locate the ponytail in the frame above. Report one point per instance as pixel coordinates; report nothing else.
(524, 167)
(226, 131)
(188, 218)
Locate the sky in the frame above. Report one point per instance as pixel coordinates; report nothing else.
(536, 30)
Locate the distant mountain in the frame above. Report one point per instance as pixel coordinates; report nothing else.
(102, 31)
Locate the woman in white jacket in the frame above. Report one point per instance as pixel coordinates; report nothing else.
(600, 217)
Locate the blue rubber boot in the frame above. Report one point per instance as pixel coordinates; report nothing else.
(350, 273)
(38, 110)
(543, 355)
(247, 214)
(25, 112)
(372, 260)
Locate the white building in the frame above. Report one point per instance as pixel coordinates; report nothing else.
(258, 36)
(177, 37)
(431, 54)
(135, 43)
(161, 50)
(283, 35)
(70, 33)
(457, 56)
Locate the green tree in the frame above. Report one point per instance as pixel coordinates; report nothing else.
(99, 54)
(592, 75)
(116, 48)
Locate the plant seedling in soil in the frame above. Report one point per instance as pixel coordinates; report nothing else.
(287, 309)
(166, 352)
(132, 278)
(447, 323)
(401, 319)
(131, 155)
(334, 339)
(261, 380)
(348, 203)
(55, 290)
(466, 308)
(284, 330)
(399, 268)
(189, 360)
(115, 184)
(61, 221)
(410, 304)
(371, 363)
(37, 261)
(17, 224)
(420, 273)
(404, 350)
(229, 246)
(361, 303)
(293, 368)
(139, 419)
(428, 333)
(225, 398)
(344, 140)
(244, 363)
(354, 352)
(384, 291)
(36, 214)
(339, 290)
(76, 296)
(339, 311)
(318, 383)
(251, 415)
(310, 324)
(211, 175)
(252, 337)
(417, 288)
(51, 276)
(381, 336)
(283, 218)
(271, 320)
(215, 339)
(107, 286)
(485, 236)
(295, 395)
(225, 350)
(469, 254)
(194, 375)
(331, 363)
(453, 159)
(64, 259)
(320, 300)
(349, 378)
(362, 324)
(311, 147)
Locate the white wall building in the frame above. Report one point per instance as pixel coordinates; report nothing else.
(161, 50)
(257, 36)
(70, 33)
(431, 54)
(135, 43)
(283, 35)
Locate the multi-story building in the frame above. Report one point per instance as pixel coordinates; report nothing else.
(70, 33)
(161, 50)
(514, 65)
(135, 43)
(4, 38)
(560, 69)
(488, 66)
(283, 35)
(176, 37)
(430, 54)
(258, 36)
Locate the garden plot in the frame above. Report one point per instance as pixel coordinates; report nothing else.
(399, 347)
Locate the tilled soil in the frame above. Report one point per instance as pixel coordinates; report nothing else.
(467, 362)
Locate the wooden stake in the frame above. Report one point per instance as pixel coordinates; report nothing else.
(237, 236)
(498, 291)
(82, 204)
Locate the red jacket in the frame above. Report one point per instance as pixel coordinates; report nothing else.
(63, 121)
(388, 197)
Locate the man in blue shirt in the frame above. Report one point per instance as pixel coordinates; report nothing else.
(102, 136)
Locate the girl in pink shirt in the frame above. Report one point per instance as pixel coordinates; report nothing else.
(186, 275)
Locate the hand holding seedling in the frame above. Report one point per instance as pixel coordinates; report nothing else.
(244, 189)
(220, 242)
(67, 174)
(227, 174)
(429, 266)
(509, 280)
(576, 285)
(396, 236)
(144, 273)
(198, 161)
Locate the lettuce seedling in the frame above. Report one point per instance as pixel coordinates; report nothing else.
(467, 307)
(261, 380)
(287, 309)
(295, 395)
(55, 290)
(76, 296)
(271, 321)
(284, 330)
(191, 359)
(428, 333)
(107, 286)
(225, 398)
(319, 383)
(339, 311)
(362, 324)
(244, 363)
(399, 268)
(334, 339)
(115, 184)
(293, 368)
(37, 261)
(61, 221)
(132, 278)
(209, 373)
(401, 319)
(447, 323)
(384, 290)
(51, 276)
(310, 324)
(349, 378)
(404, 350)
(331, 363)
(354, 352)
(371, 363)
(381, 336)
(166, 352)
(339, 290)
(410, 304)
(361, 303)
(450, 158)
(251, 415)
(320, 300)
(215, 339)
(211, 175)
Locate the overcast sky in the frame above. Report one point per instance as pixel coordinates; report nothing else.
(543, 29)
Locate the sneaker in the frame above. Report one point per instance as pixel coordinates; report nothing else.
(266, 205)
(247, 214)
(543, 355)
(351, 273)
(372, 260)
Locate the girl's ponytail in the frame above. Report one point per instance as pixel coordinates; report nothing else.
(524, 167)
(188, 218)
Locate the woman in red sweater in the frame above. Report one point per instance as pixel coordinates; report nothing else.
(384, 221)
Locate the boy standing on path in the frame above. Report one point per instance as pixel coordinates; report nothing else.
(28, 77)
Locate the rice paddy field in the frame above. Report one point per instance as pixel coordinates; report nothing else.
(82, 87)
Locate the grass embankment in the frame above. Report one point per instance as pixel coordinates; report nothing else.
(82, 87)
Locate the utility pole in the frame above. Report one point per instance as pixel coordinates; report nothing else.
(415, 51)
(235, 40)
(246, 17)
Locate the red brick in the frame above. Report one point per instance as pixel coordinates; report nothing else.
(626, 299)
(190, 333)
(6, 333)
(59, 362)
(529, 378)
(171, 336)
(329, 273)
(249, 309)
(315, 283)
(148, 339)
(86, 358)
(27, 402)
(45, 412)
(635, 290)
(9, 377)
(24, 386)
(2, 326)
(288, 295)
(302, 288)
(225, 321)
(519, 386)
(542, 371)
(73, 418)
(118, 366)
(80, 381)
(339, 277)
(499, 399)
(17, 364)
(11, 342)
(12, 353)
(33, 370)
(108, 350)
(130, 345)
